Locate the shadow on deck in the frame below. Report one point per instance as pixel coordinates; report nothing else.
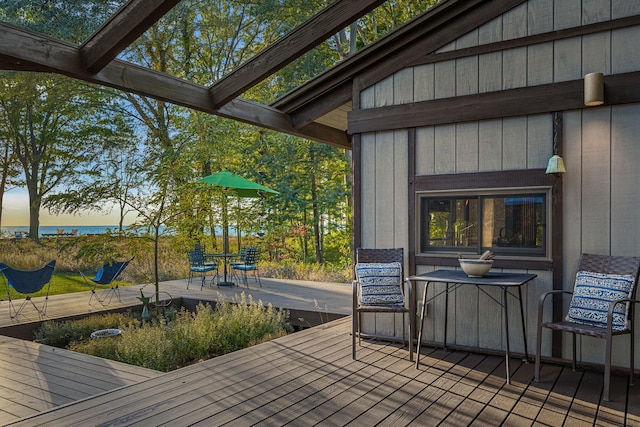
(309, 378)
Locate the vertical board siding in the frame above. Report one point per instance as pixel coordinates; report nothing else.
(539, 16)
(467, 147)
(566, 14)
(514, 143)
(596, 180)
(625, 184)
(423, 85)
(599, 146)
(538, 59)
(514, 68)
(490, 145)
(539, 140)
(425, 151)
(596, 11)
(567, 59)
(624, 47)
(600, 63)
(490, 72)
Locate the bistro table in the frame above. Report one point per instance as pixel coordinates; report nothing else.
(456, 278)
(225, 257)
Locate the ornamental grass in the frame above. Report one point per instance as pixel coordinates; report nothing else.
(183, 338)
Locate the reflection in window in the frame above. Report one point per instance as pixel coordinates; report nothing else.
(512, 224)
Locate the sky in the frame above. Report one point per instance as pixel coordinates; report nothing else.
(16, 213)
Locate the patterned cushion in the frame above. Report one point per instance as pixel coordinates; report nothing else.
(591, 297)
(380, 283)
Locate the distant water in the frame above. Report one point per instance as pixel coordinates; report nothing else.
(83, 230)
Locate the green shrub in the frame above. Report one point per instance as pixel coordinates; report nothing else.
(188, 338)
(64, 333)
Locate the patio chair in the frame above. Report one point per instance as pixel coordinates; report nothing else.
(248, 262)
(28, 282)
(602, 306)
(106, 275)
(197, 265)
(377, 288)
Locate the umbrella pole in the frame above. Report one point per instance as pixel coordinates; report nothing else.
(225, 238)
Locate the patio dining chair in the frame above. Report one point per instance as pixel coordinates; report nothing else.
(602, 306)
(377, 288)
(106, 275)
(28, 282)
(248, 262)
(197, 265)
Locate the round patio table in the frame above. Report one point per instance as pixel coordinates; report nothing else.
(226, 257)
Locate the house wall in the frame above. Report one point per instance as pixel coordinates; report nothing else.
(600, 149)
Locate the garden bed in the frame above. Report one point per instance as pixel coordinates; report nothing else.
(178, 338)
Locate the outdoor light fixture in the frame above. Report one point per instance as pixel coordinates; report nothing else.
(556, 164)
(593, 89)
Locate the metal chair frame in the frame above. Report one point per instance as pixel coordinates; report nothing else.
(605, 264)
(197, 264)
(40, 278)
(248, 262)
(380, 256)
(99, 279)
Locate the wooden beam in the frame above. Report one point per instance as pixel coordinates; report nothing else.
(562, 96)
(294, 44)
(122, 29)
(322, 105)
(34, 52)
(432, 30)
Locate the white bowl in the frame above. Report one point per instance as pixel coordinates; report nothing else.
(475, 267)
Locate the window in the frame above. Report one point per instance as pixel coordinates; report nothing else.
(510, 224)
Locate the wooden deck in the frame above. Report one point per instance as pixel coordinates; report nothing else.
(38, 377)
(309, 378)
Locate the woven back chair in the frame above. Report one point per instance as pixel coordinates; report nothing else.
(602, 306)
(373, 268)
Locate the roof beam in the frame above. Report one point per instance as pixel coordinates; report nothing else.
(29, 51)
(122, 29)
(297, 42)
(430, 31)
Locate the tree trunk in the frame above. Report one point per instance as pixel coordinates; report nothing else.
(35, 202)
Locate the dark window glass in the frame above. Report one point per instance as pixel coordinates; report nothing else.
(506, 224)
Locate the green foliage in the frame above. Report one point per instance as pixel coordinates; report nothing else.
(167, 345)
(64, 333)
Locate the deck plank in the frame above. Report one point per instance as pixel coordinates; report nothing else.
(38, 377)
(305, 378)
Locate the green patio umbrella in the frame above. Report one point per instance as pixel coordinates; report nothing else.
(236, 186)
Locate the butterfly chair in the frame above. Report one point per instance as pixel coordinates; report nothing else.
(106, 275)
(28, 282)
(248, 262)
(197, 265)
(601, 306)
(378, 288)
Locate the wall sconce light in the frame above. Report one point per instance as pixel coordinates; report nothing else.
(593, 89)
(556, 164)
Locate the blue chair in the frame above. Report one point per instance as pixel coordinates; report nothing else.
(197, 265)
(248, 262)
(28, 282)
(106, 275)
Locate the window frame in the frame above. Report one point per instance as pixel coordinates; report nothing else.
(481, 195)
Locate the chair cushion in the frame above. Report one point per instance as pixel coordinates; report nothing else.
(591, 297)
(380, 283)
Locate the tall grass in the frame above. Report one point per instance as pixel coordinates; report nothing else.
(165, 345)
(88, 253)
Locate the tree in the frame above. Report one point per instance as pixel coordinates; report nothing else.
(54, 131)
